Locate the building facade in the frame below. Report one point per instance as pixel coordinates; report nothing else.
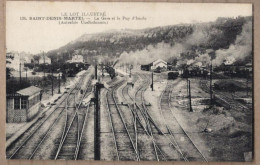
(44, 60)
(159, 64)
(77, 59)
(23, 105)
(155, 65)
(15, 61)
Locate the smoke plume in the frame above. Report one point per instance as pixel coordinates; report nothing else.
(202, 35)
(150, 53)
(241, 49)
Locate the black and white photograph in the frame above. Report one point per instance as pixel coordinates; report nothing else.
(129, 81)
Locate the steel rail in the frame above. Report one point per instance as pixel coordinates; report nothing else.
(175, 143)
(65, 132)
(139, 120)
(134, 117)
(65, 125)
(145, 108)
(223, 97)
(142, 89)
(122, 119)
(36, 129)
(112, 126)
(185, 132)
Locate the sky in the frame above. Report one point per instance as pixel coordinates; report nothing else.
(35, 36)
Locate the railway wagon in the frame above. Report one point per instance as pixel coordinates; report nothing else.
(194, 73)
(173, 75)
(111, 71)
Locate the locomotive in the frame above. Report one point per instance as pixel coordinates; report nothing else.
(173, 75)
(111, 71)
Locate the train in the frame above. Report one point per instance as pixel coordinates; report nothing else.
(196, 72)
(111, 71)
(71, 69)
(173, 75)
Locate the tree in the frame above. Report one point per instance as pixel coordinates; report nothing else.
(8, 69)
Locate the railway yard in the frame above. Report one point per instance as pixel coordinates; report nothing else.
(136, 122)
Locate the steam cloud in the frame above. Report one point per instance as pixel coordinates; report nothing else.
(241, 49)
(150, 53)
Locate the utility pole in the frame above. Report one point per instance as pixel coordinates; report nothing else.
(210, 86)
(152, 81)
(59, 84)
(26, 74)
(98, 87)
(190, 97)
(247, 83)
(96, 71)
(187, 87)
(52, 81)
(102, 69)
(20, 71)
(43, 65)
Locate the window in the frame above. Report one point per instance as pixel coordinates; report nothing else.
(17, 103)
(24, 103)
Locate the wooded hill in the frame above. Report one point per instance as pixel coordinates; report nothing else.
(219, 34)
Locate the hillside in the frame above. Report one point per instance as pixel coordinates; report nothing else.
(185, 41)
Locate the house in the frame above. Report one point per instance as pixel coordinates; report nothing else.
(77, 59)
(44, 60)
(27, 59)
(15, 61)
(23, 105)
(161, 64)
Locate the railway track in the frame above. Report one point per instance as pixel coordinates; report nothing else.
(147, 124)
(123, 141)
(73, 128)
(26, 146)
(167, 146)
(223, 98)
(163, 146)
(179, 137)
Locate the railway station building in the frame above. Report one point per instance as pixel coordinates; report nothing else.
(23, 105)
(154, 65)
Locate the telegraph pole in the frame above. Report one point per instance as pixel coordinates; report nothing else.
(59, 84)
(26, 74)
(52, 81)
(20, 71)
(152, 81)
(190, 97)
(43, 65)
(102, 69)
(187, 87)
(98, 87)
(96, 71)
(210, 85)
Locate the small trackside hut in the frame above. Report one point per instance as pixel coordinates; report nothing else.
(23, 105)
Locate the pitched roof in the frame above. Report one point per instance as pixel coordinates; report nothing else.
(29, 91)
(155, 62)
(158, 61)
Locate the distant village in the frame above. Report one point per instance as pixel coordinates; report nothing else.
(31, 77)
